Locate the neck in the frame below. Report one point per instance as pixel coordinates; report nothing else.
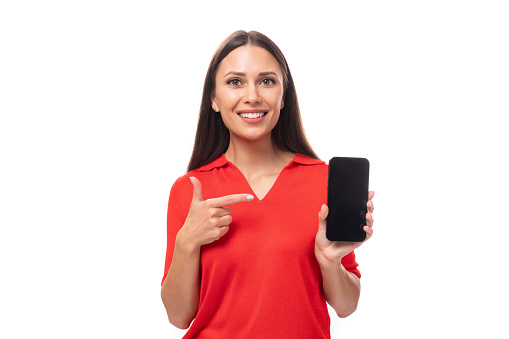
(256, 157)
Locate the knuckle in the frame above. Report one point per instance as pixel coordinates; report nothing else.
(223, 230)
(230, 200)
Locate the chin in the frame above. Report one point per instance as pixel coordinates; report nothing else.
(253, 136)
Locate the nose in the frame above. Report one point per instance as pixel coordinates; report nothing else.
(251, 94)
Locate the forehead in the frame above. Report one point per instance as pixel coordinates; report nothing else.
(249, 59)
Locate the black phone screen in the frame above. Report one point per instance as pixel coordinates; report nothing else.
(347, 197)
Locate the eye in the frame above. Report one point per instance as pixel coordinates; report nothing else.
(234, 82)
(268, 81)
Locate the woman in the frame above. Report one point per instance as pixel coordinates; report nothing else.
(247, 256)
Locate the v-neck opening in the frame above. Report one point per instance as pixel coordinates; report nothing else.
(271, 187)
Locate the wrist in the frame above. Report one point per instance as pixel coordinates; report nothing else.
(327, 262)
(185, 245)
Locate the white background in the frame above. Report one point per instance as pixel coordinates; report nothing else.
(99, 103)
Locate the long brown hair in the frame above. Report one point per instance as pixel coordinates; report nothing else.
(213, 138)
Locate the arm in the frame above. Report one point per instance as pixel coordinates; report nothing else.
(207, 221)
(181, 288)
(341, 287)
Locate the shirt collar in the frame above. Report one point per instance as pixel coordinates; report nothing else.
(219, 162)
(222, 161)
(304, 160)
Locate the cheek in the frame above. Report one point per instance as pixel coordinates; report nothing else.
(275, 118)
(227, 99)
(227, 119)
(274, 97)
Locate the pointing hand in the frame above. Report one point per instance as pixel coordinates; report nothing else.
(208, 220)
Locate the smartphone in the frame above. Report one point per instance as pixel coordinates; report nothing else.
(347, 195)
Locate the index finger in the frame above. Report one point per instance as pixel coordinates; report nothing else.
(229, 200)
(371, 194)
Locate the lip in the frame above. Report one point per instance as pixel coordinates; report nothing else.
(252, 110)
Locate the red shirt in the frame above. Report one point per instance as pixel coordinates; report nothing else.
(261, 279)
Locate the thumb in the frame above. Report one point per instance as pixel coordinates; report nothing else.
(322, 215)
(197, 189)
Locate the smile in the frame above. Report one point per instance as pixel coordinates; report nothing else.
(252, 115)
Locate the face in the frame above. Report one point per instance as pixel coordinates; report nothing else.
(249, 92)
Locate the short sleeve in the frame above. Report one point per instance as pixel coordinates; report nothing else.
(175, 220)
(350, 264)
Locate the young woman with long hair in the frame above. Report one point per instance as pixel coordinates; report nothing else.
(247, 254)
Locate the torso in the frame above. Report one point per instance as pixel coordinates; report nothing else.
(261, 279)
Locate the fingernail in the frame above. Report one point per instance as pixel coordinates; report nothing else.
(323, 207)
(250, 197)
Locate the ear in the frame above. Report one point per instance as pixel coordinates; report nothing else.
(213, 101)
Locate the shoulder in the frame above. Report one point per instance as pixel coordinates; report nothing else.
(307, 169)
(182, 184)
(306, 161)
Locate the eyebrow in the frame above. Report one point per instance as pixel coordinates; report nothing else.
(244, 74)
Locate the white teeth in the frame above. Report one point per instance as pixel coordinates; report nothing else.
(252, 115)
